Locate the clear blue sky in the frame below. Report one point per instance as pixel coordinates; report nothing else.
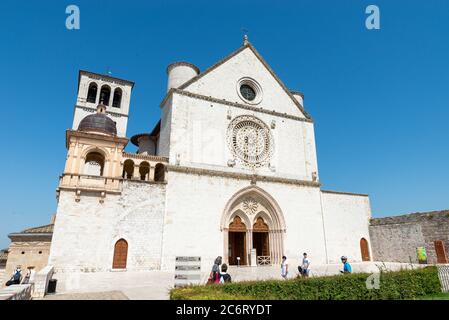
(380, 99)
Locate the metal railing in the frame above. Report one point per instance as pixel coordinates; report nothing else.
(263, 260)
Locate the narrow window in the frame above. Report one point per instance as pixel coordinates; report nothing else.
(116, 102)
(105, 94)
(92, 93)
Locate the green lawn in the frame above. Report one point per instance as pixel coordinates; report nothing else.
(438, 296)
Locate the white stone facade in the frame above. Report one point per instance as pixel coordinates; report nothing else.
(193, 213)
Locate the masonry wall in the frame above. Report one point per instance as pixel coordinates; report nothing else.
(346, 221)
(396, 238)
(26, 254)
(196, 204)
(198, 138)
(85, 232)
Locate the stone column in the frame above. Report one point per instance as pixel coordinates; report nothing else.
(136, 173)
(226, 245)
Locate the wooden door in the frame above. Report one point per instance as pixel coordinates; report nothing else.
(237, 248)
(120, 254)
(365, 250)
(440, 252)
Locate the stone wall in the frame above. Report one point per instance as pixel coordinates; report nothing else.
(17, 292)
(346, 220)
(396, 238)
(26, 254)
(85, 232)
(41, 282)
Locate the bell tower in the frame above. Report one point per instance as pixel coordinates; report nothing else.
(95, 89)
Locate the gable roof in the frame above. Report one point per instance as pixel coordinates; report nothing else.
(265, 64)
(44, 232)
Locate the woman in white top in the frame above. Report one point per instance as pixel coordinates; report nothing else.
(284, 267)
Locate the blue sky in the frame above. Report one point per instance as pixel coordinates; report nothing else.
(380, 99)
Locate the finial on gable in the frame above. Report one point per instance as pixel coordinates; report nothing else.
(245, 36)
(245, 40)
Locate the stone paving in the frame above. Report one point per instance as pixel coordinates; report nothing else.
(111, 295)
(155, 285)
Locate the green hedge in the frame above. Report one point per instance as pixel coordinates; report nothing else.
(406, 284)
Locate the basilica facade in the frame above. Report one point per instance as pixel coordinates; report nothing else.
(229, 170)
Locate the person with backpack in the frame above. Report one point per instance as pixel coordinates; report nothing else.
(224, 276)
(15, 279)
(304, 268)
(214, 277)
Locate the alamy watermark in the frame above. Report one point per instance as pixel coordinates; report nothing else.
(372, 22)
(72, 22)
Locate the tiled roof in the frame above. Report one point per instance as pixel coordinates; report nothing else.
(42, 229)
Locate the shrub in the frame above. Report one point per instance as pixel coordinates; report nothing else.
(405, 284)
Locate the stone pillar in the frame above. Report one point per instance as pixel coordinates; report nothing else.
(136, 173)
(226, 245)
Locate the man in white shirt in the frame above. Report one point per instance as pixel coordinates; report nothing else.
(305, 266)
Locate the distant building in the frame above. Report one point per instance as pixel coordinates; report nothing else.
(3, 258)
(30, 247)
(397, 238)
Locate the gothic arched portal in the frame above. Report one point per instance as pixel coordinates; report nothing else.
(252, 219)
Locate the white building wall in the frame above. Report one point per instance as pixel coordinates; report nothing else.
(198, 138)
(85, 232)
(346, 221)
(195, 205)
(222, 82)
(84, 108)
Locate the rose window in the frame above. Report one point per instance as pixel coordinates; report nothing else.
(250, 140)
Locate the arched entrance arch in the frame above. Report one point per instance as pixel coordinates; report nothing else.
(264, 227)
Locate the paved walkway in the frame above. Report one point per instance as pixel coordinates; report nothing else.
(155, 285)
(111, 295)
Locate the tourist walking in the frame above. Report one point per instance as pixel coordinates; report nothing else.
(214, 274)
(284, 267)
(304, 268)
(224, 276)
(346, 266)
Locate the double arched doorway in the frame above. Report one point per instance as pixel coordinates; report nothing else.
(253, 227)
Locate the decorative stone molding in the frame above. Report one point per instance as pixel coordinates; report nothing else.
(233, 104)
(144, 157)
(262, 60)
(345, 193)
(105, 78)
(244, 176)
(250, 206)
(250, 141)
(93, 110)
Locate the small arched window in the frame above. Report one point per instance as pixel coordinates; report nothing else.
(94, 164)
(117, 100)
(105, 94)
(128, 169)
(144, 171)
(92, 93)
(120, 254)
(159, 172)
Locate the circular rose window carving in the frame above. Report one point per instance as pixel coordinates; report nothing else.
(250, 141)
